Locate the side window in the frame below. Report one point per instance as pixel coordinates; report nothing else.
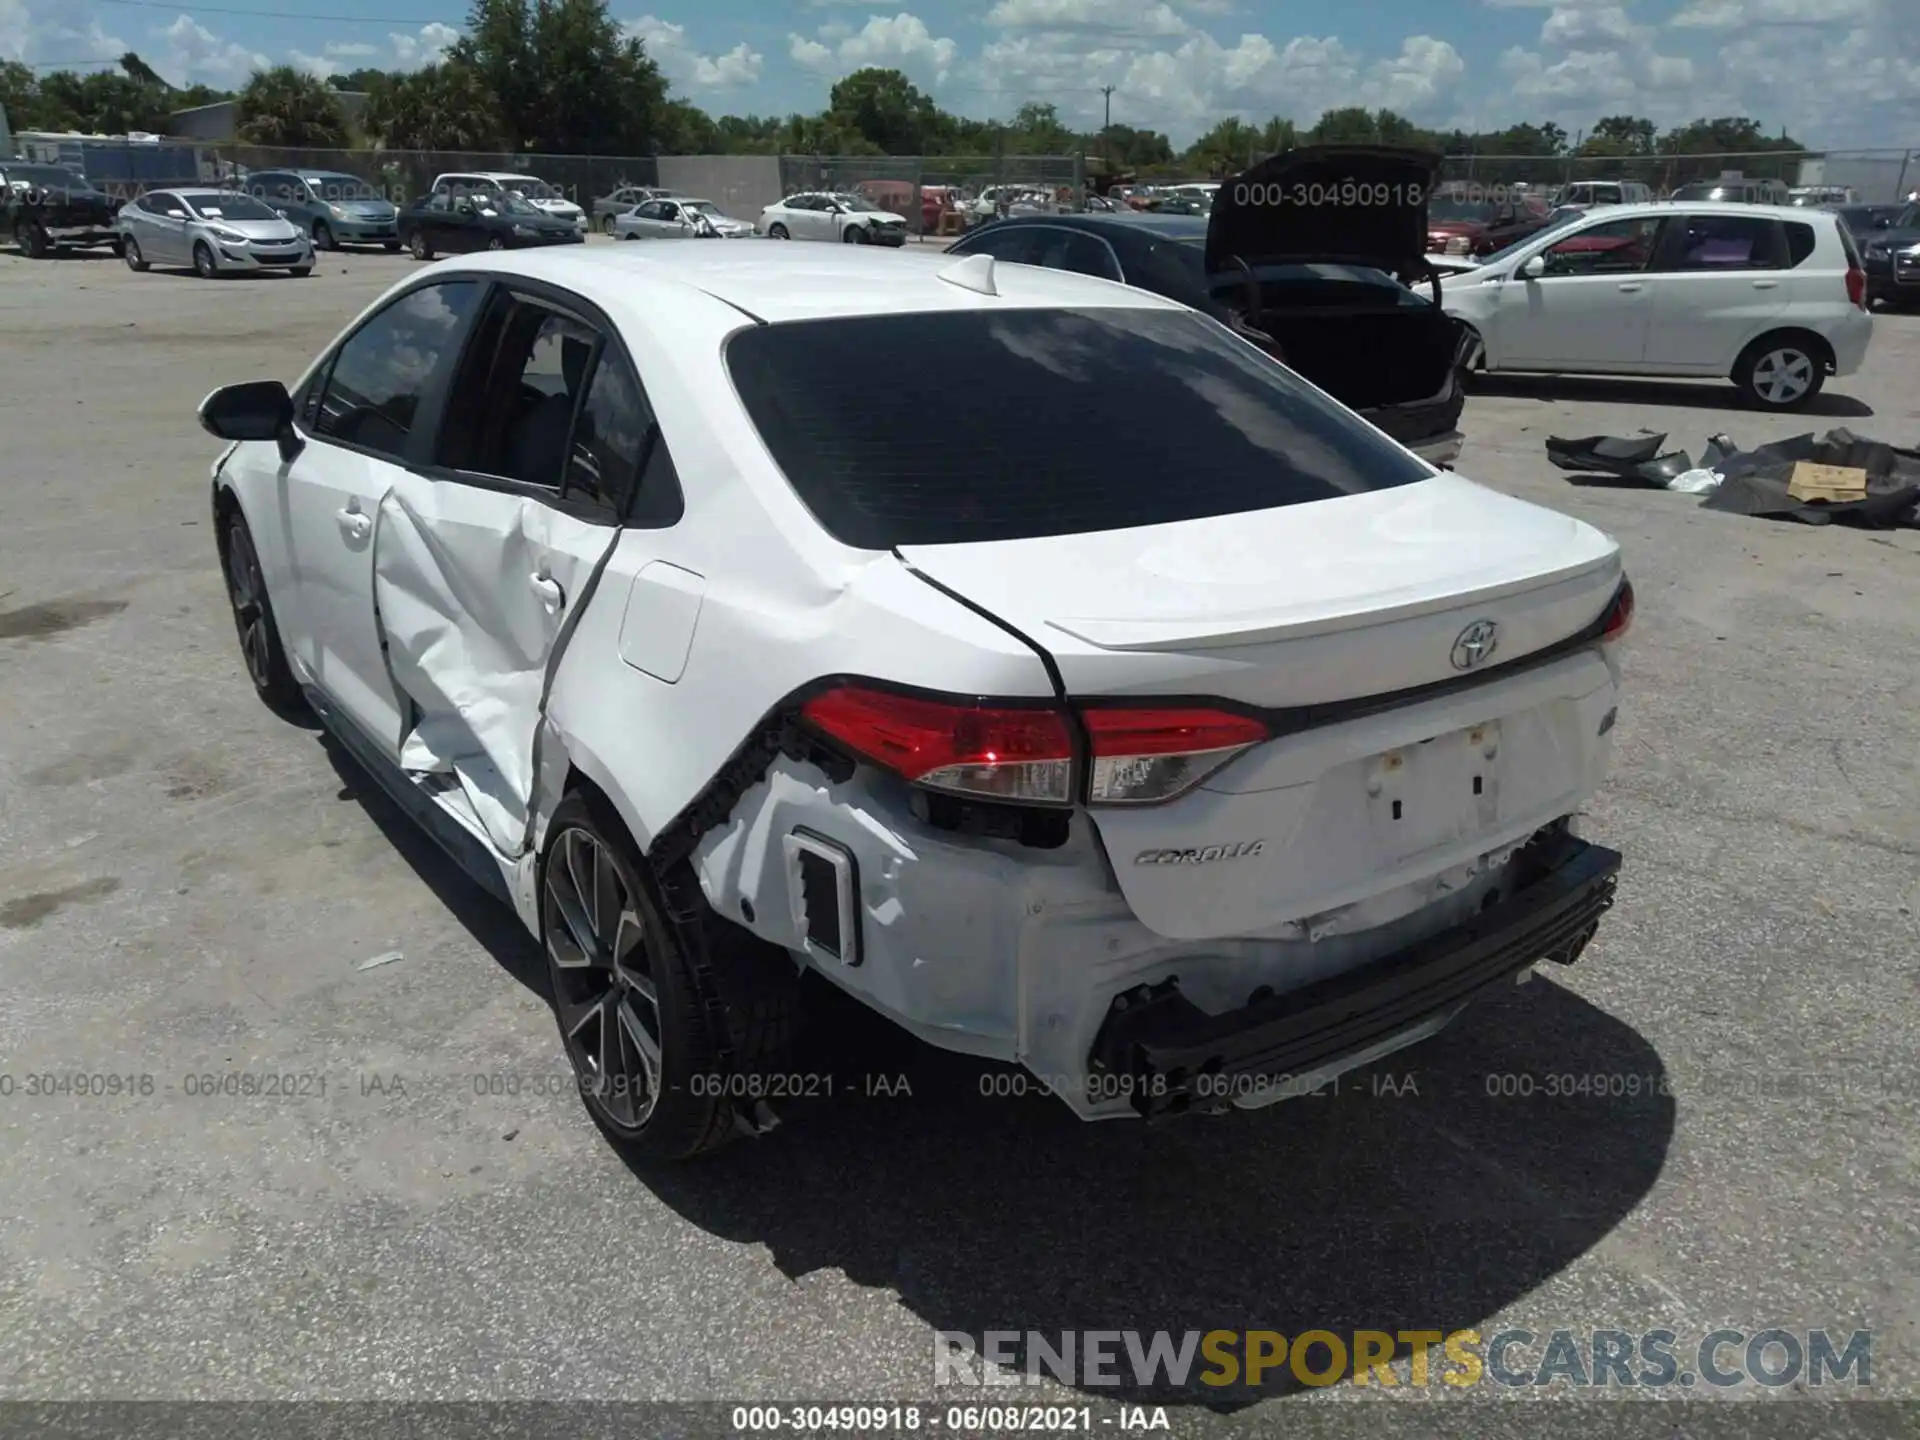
(442, 198)
(669, 210)
(617, 449)
(1616, 247)
(388, 365)
(1800, 242)
(513, 401)
(1728, 242)
(1085, 255)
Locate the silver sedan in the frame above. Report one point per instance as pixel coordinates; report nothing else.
(678, 217)
(216, 232)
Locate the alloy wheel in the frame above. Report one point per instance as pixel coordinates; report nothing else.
(247, 590)
(604, 984)
(130, 252)
(203, 262)
(1782, 376)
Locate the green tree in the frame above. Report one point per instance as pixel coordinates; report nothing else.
(885, 109)
(1622, 135)
(359, 82)
(290, 109)
(564, 77)
(441, 107)
(1228, 148)
(20, 96)
(102, 102)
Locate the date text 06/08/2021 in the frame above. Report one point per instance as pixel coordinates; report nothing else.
(896, 1419)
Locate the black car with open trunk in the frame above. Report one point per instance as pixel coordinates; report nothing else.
(1309, 255)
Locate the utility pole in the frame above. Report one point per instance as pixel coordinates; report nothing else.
(1106, 123)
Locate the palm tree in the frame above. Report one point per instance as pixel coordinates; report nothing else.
(291, 110)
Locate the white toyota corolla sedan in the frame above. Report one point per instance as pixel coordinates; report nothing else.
(1185, 775)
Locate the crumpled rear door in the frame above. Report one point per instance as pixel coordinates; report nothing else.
(476, 589)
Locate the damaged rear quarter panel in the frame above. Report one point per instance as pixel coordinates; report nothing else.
(782, 604)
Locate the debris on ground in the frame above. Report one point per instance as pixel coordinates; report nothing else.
(386, 958)
(1838, 476)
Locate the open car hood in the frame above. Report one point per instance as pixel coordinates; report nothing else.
(1349, 204)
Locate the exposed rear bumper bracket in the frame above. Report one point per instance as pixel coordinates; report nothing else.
(1157, 1043)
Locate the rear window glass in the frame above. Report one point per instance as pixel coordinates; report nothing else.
(935, 429)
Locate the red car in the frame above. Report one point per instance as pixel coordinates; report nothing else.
(1460, 226)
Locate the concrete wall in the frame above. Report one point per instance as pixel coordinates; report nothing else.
(1876, 179)
(741, 185)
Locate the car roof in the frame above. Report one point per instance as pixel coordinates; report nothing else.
(1173, 227)
(777, 283)
(1708, 207)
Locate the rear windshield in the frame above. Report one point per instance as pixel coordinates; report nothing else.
(857, 413)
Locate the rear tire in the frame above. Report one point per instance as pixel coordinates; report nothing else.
(606, 225)
(203, 265)
(656, 1017)
(253, 621)
(1781, 372)
(32, 240)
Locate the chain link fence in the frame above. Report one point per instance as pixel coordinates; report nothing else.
(1875, 176)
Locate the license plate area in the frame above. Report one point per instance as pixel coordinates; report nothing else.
(1435, 793)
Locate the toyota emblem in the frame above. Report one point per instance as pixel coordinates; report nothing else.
(1475, 645)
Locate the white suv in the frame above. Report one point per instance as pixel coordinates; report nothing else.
(1184, 781)
(1771, 297)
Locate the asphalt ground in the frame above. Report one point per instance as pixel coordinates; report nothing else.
(1709, 1122)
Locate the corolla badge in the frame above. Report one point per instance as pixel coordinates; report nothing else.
(1475, 645)
(1201, 854)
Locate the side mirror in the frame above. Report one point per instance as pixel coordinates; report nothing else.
(252, 410)
(1535, 267)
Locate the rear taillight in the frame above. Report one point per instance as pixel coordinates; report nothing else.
(1137, 755)
(990, 751)
(1856, 286)
(1619, 614)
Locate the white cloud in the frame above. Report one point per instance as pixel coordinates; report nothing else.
(686, 66)
(194, 53)
(1569, 26)
(426, 46)
(903, 41)
(1731, 14)
(809, 54)
(1117, 17)
(50, 30)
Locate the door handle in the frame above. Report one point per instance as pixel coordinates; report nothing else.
(549, 591)
(353, 524)
(1766, 284)
(1630, 285)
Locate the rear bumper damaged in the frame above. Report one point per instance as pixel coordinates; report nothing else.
(1168, 1055)
(1025, 955)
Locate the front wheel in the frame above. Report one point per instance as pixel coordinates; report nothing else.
(778, 232)
(660, 1020)
(31, 240)
(418, 247)
(1780, 372)
(496, 242)
(203, 265)
(854, 235)
(300, 272)
(323, 235)
(130, 252)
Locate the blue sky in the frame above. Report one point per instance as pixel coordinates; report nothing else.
(1837, 72)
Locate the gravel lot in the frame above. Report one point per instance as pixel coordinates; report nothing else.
(189, 887)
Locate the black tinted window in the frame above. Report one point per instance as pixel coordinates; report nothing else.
(389, 363)
(616, 446)
(1799, 241)
(1014, 246)
(1212, 426)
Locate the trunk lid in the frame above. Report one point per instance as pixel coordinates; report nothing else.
(1355, 204)
(1294, 611)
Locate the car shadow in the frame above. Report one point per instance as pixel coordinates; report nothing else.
(1424, 1194)
(492, 923)
(65, 254)
(1691, 394)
